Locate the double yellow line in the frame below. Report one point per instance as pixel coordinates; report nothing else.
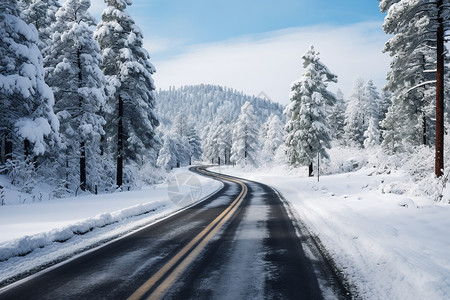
(189, 252)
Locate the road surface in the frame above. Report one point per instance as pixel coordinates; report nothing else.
(238, 244)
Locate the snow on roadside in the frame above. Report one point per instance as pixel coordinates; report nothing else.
(389, 246)
(39, 233)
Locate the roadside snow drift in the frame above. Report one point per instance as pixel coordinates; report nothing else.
(38, 233)
(388, 246)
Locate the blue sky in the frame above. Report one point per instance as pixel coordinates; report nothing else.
(226, 42)
(200, 21)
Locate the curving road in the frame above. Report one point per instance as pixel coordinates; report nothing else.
(238, 244)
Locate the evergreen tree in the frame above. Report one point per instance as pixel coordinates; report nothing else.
(336, 116)
(175, 152)
(195, 142)
(384, 104)
(76, 55)
(129, 72)
(361, 108)
(210, 148)
(307, 128)
(392, 139)
(217, 144)
(371, 102)
(372, 134)
(273, 137)
(244, 149)
(354, 116)
(411, 80)
(184, 128)
(42, 14)
(26, 102)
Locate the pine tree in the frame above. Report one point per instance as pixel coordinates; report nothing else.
(26, 102)
(195, 143)
(76, 55)
(272, 139)
(244, 149)
(392, 139)
(372, 134)
(42, 14)
(307, 128)
(184, 128)
(336, 117)
(371, 102)
(175, 151)
(216, 144)
(129, 72)
(362, 107)
(354, 116)
(384, 104)
(411, 80)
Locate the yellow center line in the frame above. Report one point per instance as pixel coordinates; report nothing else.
(209, 232)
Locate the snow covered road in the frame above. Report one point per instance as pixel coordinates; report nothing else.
(388, 246)
(39, 229)
(252, 250)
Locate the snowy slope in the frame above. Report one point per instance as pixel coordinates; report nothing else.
(53, 230)
(388, 246)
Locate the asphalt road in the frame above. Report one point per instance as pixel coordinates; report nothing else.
(238, 244)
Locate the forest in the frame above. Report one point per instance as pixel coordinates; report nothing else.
(81, 112)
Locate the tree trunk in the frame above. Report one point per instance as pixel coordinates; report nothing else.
(102, 137)
(26, 148)
(66, 185)
(120, 145)
(424, 127)
(82, 167)
(82, 143)
(310, 170)
(102, 146)
(6, 149)
(439, 157)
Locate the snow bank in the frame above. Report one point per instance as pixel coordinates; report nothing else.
(388, 246)
(27, 244)
(44, 224)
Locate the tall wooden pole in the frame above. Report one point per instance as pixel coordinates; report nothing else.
(439, 158)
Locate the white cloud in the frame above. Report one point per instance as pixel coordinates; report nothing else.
(270, 62)
(161, 46)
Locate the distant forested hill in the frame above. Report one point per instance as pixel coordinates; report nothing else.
(203, 103)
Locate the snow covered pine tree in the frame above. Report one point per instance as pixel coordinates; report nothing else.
(307, 128)
(75, 54)
(362, 107)
(418, 53)
(272, 136)
(42, 14)
(245, 138)
(129, 72)
(216, 144)
(26, 102)
(184, 127)
(336, 117)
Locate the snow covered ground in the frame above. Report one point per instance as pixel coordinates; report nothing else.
(389, 246)
(52, 230)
